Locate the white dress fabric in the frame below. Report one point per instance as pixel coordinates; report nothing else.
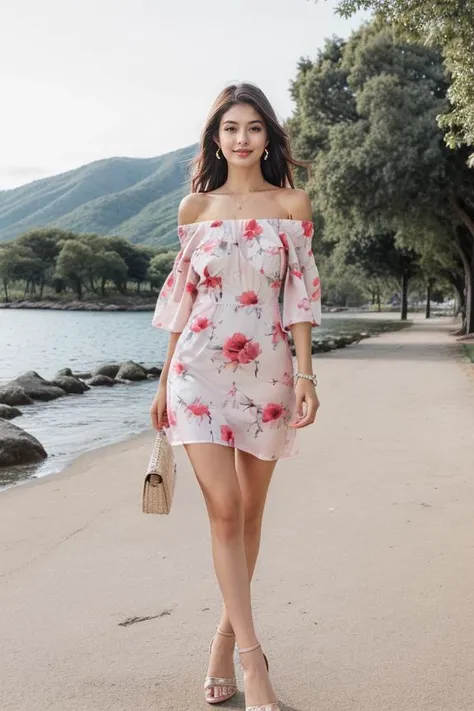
(235, 289)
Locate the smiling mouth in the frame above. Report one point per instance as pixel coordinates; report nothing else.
(243, 152)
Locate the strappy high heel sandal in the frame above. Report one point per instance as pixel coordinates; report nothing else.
(265, 707)
(227, 685)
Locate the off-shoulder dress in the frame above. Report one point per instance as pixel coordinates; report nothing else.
(235, 289)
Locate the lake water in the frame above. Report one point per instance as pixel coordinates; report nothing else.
(46, 341)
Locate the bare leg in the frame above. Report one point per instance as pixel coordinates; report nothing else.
(254, 479)
(215, 469)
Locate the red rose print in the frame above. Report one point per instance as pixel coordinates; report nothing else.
(284, 240)
(307, 228)
(303, 304)
(209, 246)
(216, 223)
(252, 230)
(198, 408)
(248, 298)
(191, 288)
(200, 324)
(296, 273)
(181, 231)
(227, 435)
(272, 412)
(172, 421)
(276, 284)
(170, 281)
(212, 282)
(240, 349)
(317, 292)
(179, 368)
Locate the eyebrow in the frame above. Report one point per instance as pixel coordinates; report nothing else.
(254, 121)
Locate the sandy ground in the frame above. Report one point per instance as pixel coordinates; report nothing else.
(364, 592)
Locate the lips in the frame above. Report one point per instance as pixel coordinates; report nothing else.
(243, 153)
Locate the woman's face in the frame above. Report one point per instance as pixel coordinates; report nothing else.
(242, 135)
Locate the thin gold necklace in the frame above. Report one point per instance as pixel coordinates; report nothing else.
(240, 203)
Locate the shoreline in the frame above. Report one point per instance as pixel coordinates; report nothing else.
(85, 460)
(46, 305)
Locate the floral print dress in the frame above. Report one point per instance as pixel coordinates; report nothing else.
(235, 289)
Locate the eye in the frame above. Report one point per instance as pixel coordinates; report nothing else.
(257, 129)
(229, 128)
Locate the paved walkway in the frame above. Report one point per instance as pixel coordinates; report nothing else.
(364, 593)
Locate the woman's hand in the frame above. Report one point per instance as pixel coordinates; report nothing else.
(307, 403)
(159, 416)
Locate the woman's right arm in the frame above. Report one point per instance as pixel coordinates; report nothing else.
(188, 212)
(158, 413)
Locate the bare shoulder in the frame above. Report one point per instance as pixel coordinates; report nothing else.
(191, 207)
(297, 203)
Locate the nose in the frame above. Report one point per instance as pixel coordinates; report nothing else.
(242, 138)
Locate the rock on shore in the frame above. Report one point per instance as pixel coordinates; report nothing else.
(35, 387)
(18, 447)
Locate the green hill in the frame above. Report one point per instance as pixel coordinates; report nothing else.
(135, 198)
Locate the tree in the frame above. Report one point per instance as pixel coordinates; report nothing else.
(387, 170)
(74, 264)
(160, 267)
(109, 266)
(137, 259)
(448, 24)
(17, 262)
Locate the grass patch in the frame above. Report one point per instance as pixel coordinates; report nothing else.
(469, 351)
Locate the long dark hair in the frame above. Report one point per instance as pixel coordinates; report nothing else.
(209, 173)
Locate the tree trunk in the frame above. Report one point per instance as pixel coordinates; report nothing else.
(41, 287)
(26, 288)
(379, 305)
(404, 311)
(102, 286)
(465, 247)
(5, 287)
(78, 288)
(429, 288)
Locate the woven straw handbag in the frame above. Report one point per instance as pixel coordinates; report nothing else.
(160, 479)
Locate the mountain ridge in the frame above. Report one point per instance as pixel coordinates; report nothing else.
(136, 198)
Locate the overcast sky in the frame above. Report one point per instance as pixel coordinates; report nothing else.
(82, 80)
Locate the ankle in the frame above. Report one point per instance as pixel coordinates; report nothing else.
(225, 633)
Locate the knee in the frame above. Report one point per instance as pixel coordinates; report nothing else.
(252, 518)
(227, 518)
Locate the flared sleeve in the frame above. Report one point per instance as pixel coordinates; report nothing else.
(176, 298)
(302, 289)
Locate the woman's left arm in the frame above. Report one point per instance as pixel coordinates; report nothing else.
(307, 402)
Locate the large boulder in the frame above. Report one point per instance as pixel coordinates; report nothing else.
(14, 395)
(71, 385)
(108, 369)
(131, 371)
(101, 380)
(8, 413)
(37, 387)
(18, 447)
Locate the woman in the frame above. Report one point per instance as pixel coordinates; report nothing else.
(227, 391)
